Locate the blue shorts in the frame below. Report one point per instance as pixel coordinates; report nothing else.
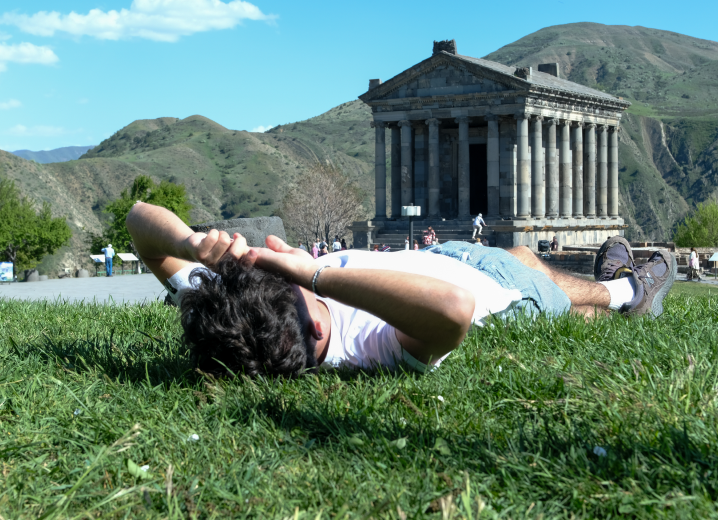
(539, 293)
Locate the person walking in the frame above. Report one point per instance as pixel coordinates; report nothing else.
(478, 223)
(109, 253)
(336, 246)
(315, 249)
(693, 265)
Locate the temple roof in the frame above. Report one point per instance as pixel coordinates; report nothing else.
(506, 74)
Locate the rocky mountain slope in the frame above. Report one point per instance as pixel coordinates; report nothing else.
(668, 146)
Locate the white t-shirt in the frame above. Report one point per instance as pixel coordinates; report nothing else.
(361, 340)
(337, 246)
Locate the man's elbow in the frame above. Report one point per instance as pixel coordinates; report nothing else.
(460, 309)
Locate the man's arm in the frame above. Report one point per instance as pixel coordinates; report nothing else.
(431, 316)
(166, 244)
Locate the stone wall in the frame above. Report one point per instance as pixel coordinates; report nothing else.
(446, 80)
(255, 230)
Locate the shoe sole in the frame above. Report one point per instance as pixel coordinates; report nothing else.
(657, 304)
(604, 247)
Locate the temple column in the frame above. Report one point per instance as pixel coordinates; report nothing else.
(433, 167)
(602, 171)
(492, 166)
(464, 174)
(523, 167)
(552, 190)
(407, 167)
(613, 172)
(379, 169)
(538, 179)
(578, 169)
(589, 172)
(566, 182)
(507, 168)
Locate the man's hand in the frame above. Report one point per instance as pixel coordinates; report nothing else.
(208, 248)
(294, 264)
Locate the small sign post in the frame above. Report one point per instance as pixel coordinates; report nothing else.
(411, 211)
(129, 257)
(714, 259)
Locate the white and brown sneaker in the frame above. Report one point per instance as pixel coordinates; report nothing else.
(653, 281)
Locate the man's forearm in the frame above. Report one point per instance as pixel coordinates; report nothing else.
(157, 232)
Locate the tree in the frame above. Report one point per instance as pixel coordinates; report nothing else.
(322, 204)
(699, 229)
(27, 235)
(166, 194)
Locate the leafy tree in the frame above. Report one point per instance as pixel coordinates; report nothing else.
(699, 229)
(323, 203)
(27, 235)
(166, 194)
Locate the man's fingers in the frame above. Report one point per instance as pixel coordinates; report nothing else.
(277, 244)
(238, 248)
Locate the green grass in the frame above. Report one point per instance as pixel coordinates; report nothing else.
(88, 393)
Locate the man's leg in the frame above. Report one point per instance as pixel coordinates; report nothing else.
(473, 235)
(585, 296)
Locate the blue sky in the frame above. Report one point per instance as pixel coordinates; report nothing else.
(72, 72)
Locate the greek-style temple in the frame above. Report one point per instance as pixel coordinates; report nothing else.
(537, 155)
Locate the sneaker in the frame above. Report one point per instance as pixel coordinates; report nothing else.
(653, 281)
(614, 260)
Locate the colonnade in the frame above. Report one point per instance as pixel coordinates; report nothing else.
(574, 176)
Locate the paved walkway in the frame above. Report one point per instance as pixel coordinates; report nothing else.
(136, 288)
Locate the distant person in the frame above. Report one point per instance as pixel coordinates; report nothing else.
(336, 246)
(322, 245)
(478, 223)
(406, 243)
(554, 244)
(376, 247)
(302, 246)
(109, 253)
(323, 251)
(416, 245)
(344, 245)
(315, 249)
(485, 242)
(693, 265)
(385, 248)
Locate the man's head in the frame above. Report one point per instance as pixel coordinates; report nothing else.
(247, 320)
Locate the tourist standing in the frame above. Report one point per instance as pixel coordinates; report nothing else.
(315, 249)
(336, 246)
(344, 245)
(416, 245)
(554, 244)
(406, 243)
(302, 246)
(693, 265)
(109, 253)
(478, 223)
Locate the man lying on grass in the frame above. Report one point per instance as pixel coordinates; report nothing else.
(276, 310)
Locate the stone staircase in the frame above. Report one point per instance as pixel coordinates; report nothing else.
(394, 233)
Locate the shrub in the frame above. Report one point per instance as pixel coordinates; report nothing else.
(700, 228)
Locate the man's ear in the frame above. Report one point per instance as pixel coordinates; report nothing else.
(315, 329)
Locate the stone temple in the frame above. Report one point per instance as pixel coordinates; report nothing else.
(537, 155)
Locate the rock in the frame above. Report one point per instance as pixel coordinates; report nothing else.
(42, 278)
(31, 275)
(255, 230)
(82, 273)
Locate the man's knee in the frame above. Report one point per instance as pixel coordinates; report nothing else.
(524, 255)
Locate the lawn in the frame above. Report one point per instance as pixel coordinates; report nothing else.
(547, 419)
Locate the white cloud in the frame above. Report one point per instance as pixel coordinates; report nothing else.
(38, 131)
(25, 53)
(261, 128)
(12, 103)
(160, 20)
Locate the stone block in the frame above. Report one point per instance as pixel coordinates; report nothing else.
(31, 275)
(82, 273)
(42, 278)
(254, 230)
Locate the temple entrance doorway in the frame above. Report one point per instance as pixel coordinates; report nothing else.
(478, 173)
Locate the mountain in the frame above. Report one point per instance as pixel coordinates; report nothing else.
(668, 144)
(66, 153)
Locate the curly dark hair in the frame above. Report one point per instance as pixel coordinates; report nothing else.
(245, 319)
